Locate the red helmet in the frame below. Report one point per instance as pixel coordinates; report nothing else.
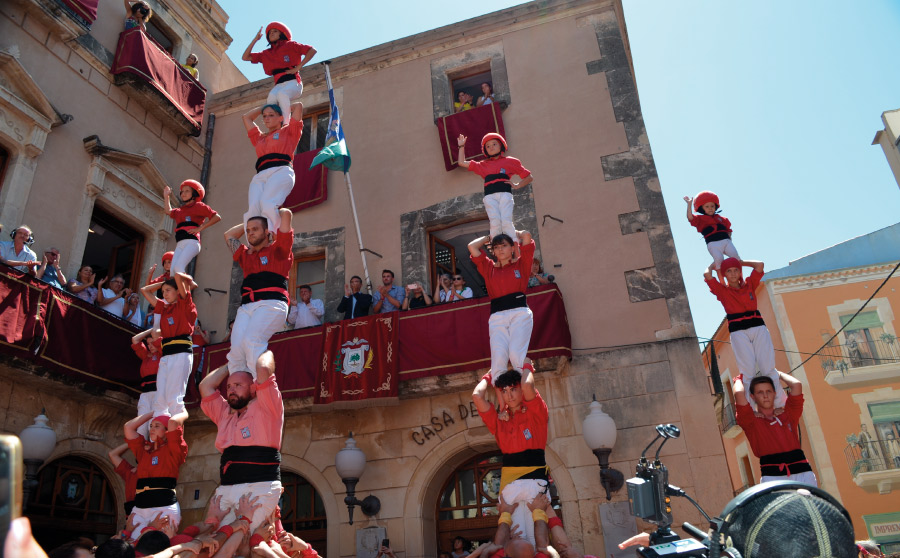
(705, 197)
(281, 27)
(197, 187)
(168, 256)
(729, 263)
(493, 136)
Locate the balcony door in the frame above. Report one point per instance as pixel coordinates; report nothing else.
(113, 248)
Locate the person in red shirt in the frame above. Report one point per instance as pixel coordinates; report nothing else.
(149, 351)
(250, 425)
(511, 320)
(522, 440)
(496, 169)
(191, 218)
(127, 471)
(159, 458)
(282, 60)
(750, 339)
(177, 316)
(166, 274)
(264, 296)
(274, 178)
(774, 438)
(716, 230)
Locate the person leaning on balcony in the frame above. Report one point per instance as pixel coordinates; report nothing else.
(774, 438)
(464, 102)
(190, 64)
(113, 299)
(459, 290)
(388, 297)
(416, 298)
(50, 272)
(16, 252)
(83, 284)
(140, 13)
(355, 303)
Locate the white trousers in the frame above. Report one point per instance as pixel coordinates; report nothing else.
(268, 492)
(282, 95)
(755, 356)
(510, 332)
(145, 405)
(806, 477)
(185, 251)
(268, 190)
(521, 492)
(143, 517)
(721, 249)
(499, 209)
(171, 381)
(254, 324)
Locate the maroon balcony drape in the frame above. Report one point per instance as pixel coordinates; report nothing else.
(85, 9)
(474, 124)
(310, 185)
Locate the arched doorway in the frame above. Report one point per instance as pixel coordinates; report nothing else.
(302, 511)
(73, 499)
(467, 504)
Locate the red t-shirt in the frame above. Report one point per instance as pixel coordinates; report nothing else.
(701, 222)
(524, 430)
(283, 141)
(511, 278)
(277, 257)
(123, 469)
(149, 362)
(497, 167)
(736, 301)
(281, 55)
(164, 277)
(177, 318)
(777, 435)
(189, 216)
(163, 461)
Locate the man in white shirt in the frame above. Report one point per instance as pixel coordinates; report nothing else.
(306, 312)
(16, 253)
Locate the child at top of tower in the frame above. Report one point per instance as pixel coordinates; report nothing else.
(497, 169)
(716, 230)
(282, 60)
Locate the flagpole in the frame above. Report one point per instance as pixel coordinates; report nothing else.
(362, 248)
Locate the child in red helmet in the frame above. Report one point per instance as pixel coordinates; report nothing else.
(716, 230)
(282, 60)
(496, 169)
(191, 218)
(750, 339)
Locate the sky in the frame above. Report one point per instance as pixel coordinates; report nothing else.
(772, 104)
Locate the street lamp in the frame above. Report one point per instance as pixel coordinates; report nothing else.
(599, 432)
(38, 441)
(350, 463)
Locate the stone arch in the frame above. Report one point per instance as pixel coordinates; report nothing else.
(315, 477)
(428, 478)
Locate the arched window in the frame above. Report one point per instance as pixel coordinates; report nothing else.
(468, 503)
(73, 499)
(302, 511)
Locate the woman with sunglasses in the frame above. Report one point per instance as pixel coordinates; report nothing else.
(140, 14)
(459, 290)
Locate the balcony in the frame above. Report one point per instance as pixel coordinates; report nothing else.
(158, 82)
(874, 465)
(863, 362)
(728, 422)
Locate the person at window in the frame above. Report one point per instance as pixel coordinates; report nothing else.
(83, 284)
(200, 337)
(306, 312)
(415, 297)
(355, 303)
(149, 350)
(464, 102)
(274, 178)
(266, 265)
(113, 299)
(459, 291)
(460, 547)
(444, 288)
(159, 459)
(132, 311)
(487, 95)
(49, 271)
(190, 64)
(388, 297)
(282, 60)
(496, 170)
(538, 277)
(140, 13)
(16, 252)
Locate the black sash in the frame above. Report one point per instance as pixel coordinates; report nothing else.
(155, 492)
(744, 320)
(715, 232)
(148, 383)
(508, 302)
(184, 235)
(272, 160)
(498, 187)
(285, 77)
(246, 464)
(528, 458)
(264, 285)
(784, 464)
(170, 345)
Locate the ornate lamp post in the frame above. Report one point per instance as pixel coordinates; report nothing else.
(38, 441)
(599, 432)
(350, 463)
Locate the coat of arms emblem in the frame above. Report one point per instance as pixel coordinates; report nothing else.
(356, 361)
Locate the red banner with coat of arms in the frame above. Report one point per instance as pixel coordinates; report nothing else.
(359, 362)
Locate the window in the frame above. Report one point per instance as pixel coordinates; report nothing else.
(865, 339)
(113, 247)
(449, 253)
(308, 270)
(160, 35)
(302, 511)
(467, 506)
(486, 62)
(469, 81)
(747, 471)
(315, 128)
